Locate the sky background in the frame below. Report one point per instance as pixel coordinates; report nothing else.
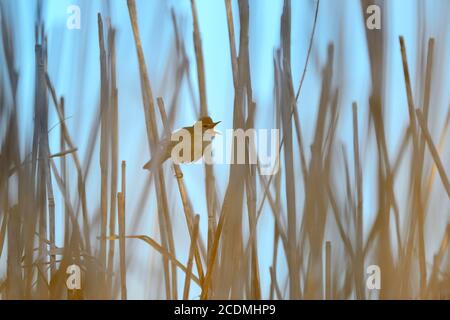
(73, 66)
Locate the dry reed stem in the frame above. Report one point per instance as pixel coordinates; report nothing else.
(62, 187)
(211, 258)
(437, 261)
(62, 153)
(190, 258)
(3, 229)
(155, 245)
(123, 272)
(80, 179)
(328, 270)
(114, 141)
(209, 175)
(416, 167)
(359, 213)
(432, 174)
(232, 41)
(200, 61)
(433, 151)
(275, 283)
(311, 41)
(104, 150)
(148, 105)
(122, 226)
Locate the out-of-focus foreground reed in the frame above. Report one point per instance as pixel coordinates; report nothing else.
(319, 236)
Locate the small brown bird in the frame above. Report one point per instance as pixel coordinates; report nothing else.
(166, 145)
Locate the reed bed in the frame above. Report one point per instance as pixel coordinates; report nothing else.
(321, 248)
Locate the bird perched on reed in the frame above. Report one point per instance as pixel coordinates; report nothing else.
(197, 145)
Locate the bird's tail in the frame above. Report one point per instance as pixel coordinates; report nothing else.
(157, 160)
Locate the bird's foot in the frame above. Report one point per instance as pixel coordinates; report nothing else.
(179, 175)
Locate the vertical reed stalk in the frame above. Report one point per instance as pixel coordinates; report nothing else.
(192, 249)
(121, 205)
